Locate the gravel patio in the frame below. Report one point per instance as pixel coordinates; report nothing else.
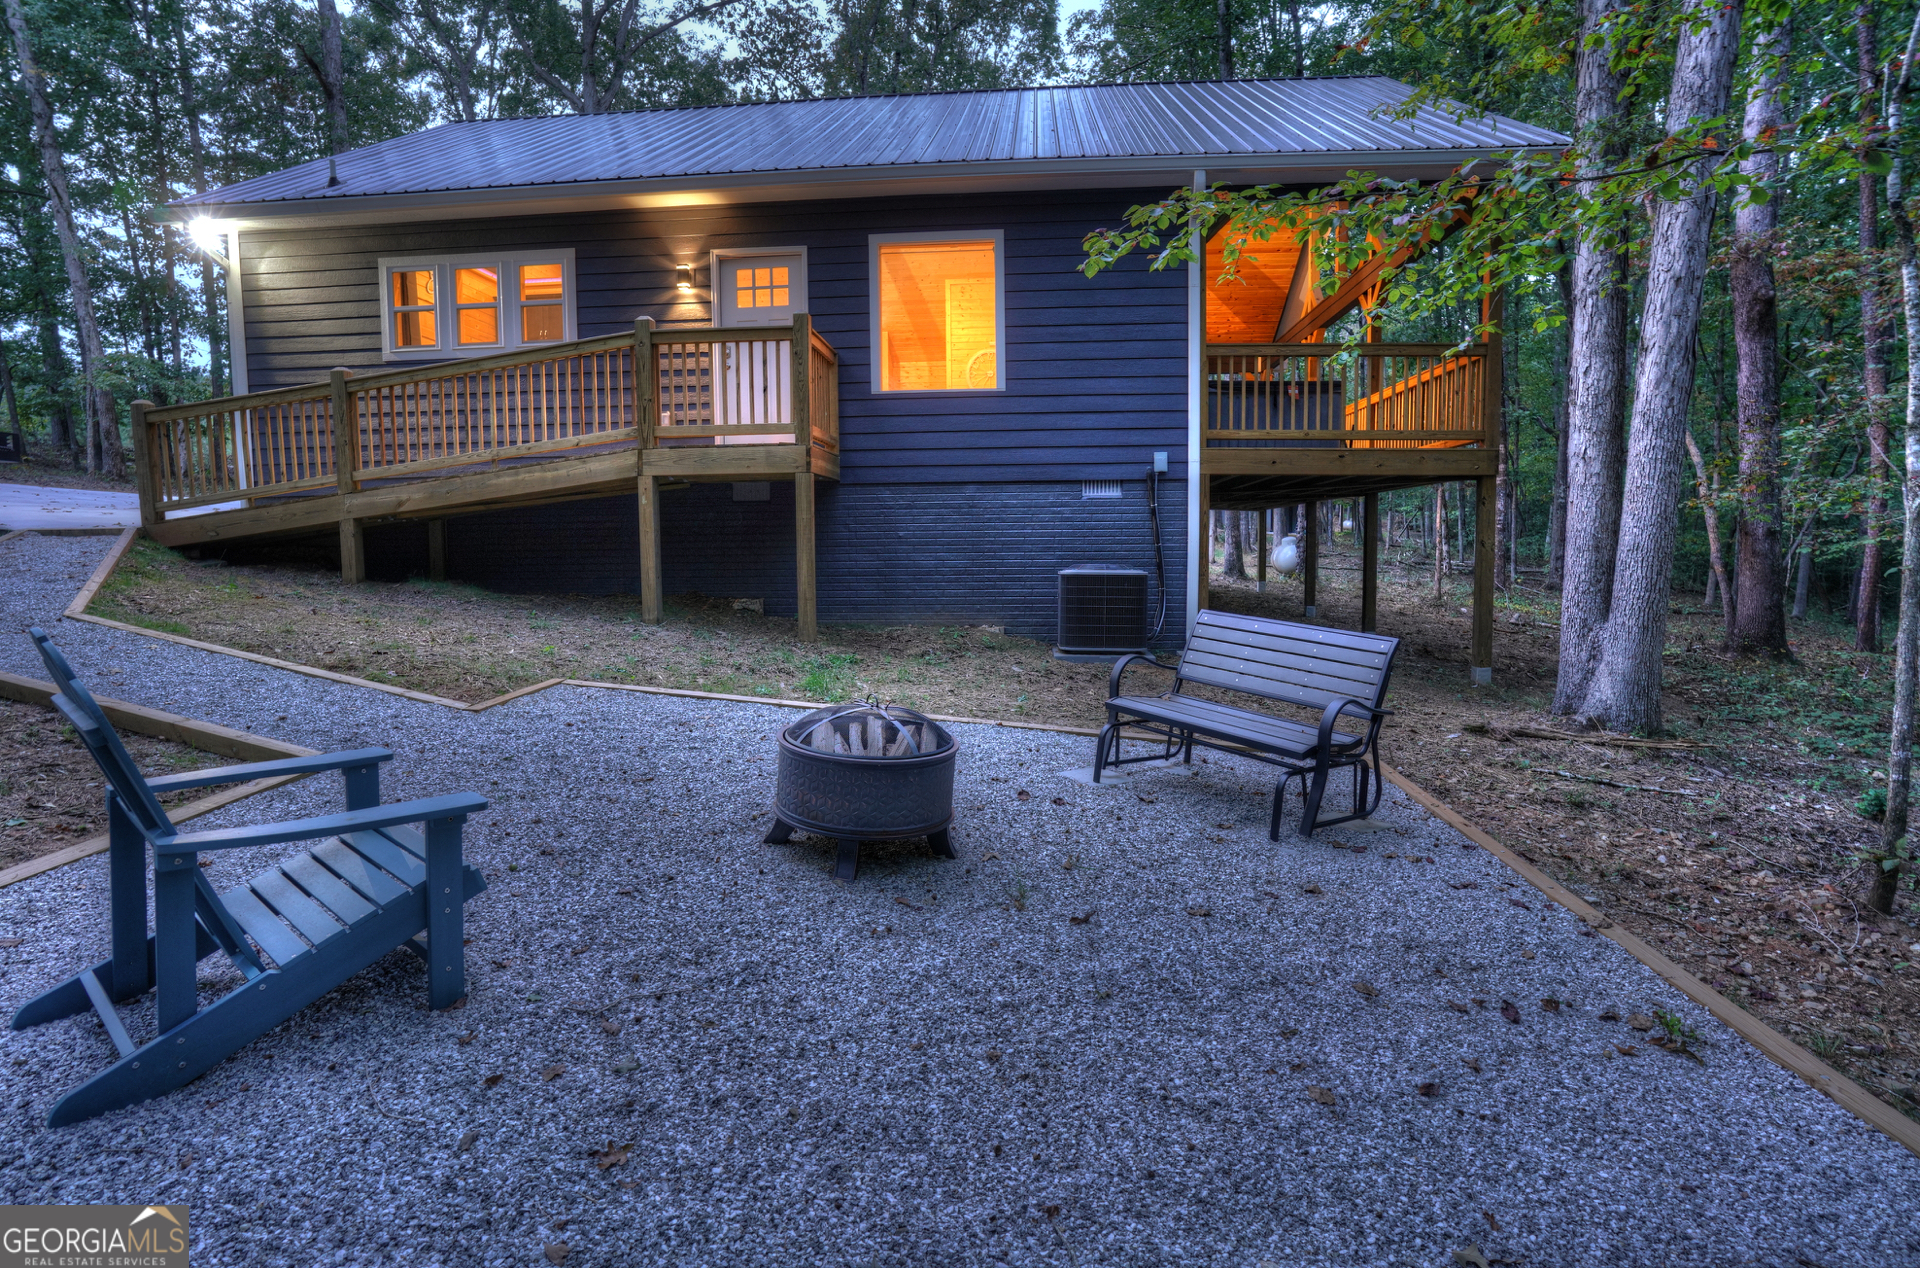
(1091, 1040)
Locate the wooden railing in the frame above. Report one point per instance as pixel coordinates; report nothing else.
(709, 386)
(1382, 396)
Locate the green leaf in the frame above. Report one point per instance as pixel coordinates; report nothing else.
(1759, 195)
(1879, 162)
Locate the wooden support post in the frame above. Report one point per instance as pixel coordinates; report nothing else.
(446, 897)
(803, 556)
(1369, 562)
(1484, 548)
(1203, 549)
(353, 552)
(145, 478)
(650, 549)
(1310, 561)
(174, 938)
(346, 459)
(1260, 565)
(127, 902)
(646, 374)
(437, 550)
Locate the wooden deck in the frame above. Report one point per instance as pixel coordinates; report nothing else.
(587, 418)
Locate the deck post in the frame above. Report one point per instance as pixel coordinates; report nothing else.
(144, 476)
(346, 457)
(1310, 561)
(649, 507)
(808, 610)
(1203, 544)
(646, 414)
(1260, 565)
(436, 550)
(1484, 549)
(1369, 562)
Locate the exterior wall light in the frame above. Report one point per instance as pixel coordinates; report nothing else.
(207, 235)
(683, 279)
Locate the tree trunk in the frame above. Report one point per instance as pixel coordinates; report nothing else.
(1759, 617)
(1223, 11)
(1439, 543)
(1597, 380)
(197, 155)
(1906, 671)
(1803, 575)
(1875, 335)
(1716, 569)
(103, 431)
(332, 77)
(1625, 692)
(1503, 516)
(1235, 565)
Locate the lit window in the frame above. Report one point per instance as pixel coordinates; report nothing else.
(476, 294)
(413, 325)
(762, 288)
(542, 289)
(462, 305)
(939, 316)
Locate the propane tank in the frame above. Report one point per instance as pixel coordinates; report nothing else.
(1286, 554)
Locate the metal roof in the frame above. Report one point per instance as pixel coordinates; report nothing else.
(1242, 122)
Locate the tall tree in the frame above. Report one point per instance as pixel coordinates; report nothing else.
(1759, 625)
(103, 431)
(1625, 691)
(1875, 334)
(333, 77)
(1597, 373)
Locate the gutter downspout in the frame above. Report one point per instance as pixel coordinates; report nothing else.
(1196, 408)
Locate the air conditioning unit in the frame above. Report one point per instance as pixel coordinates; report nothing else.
(1103, 610)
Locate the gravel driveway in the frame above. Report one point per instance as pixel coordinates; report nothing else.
(1094, 1039)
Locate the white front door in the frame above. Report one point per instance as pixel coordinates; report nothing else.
(761, 290)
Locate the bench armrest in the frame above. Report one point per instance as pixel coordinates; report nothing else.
(1120, 668)
(267, 770)
(451, 806)
(1340, 706)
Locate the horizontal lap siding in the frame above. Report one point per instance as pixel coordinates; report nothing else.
(1095, 368)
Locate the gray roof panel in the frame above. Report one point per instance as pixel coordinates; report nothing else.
(1250, 120)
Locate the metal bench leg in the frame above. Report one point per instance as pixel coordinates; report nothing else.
(1279, 806)
(1316, 789)
(1100, 750)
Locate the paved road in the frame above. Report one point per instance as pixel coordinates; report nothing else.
(33, 506)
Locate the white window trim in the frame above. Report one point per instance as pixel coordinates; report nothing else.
(715, 256)
(445, 326)
(999, 239)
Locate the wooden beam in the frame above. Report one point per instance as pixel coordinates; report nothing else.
(1310, 560)
(730, 462)
(437, 550)
(1369, 562)
(208, 736)
(1423, 466)
(1484, 548)
(649, 508)
(803, 557)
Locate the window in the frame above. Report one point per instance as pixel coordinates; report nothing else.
(764, 286)
(474, 304)
(937, 313)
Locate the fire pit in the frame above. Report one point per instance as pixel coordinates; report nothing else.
(865, 772)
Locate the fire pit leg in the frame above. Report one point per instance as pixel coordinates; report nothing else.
(780, 833)
(942, 844)
(846, 863)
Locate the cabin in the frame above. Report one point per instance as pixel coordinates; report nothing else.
(836, 355)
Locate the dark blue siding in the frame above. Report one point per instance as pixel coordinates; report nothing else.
(949, 554)
(1095, 369)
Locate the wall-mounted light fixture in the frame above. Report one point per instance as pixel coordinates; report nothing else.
(209, 237)
(683, 279)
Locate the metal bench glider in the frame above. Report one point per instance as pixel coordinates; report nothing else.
(1308, 666)
(294, 931)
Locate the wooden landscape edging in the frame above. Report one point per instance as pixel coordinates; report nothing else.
(1773, 1045)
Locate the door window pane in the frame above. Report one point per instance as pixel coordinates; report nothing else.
(937, 316)
(763, 287)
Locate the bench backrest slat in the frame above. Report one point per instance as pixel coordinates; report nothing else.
(1305, 665)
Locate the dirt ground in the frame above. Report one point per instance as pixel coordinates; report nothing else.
(49, 472)
(1733, 848)
(51, 792)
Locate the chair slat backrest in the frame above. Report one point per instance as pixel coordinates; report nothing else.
(1305, 665)
(109, 754)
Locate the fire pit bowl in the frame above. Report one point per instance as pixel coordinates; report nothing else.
(865, 772)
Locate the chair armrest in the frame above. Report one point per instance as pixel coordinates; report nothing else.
(266, 770)
(1335, 709)
(1120, 668)
(453, 805)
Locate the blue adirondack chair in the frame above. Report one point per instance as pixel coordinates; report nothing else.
(295, 931)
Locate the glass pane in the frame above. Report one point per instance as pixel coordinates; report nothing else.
(475, 286)
(769, 287)
(414, 330)
(779, 297)
(747, 293)
(541, 323)
(479, 325)
(540, 281)
(937, 316)
(412, 287)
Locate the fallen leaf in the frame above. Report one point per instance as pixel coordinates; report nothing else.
(1079, 920)
(467, 1038)
(1358, 849)
(1324, 1095)
(1366, 988)
(993, 1054)
(1199, 911)
(988, 855)
(629, 1184)
(1428, 1089)
(466, 1142)
(1023, 795)
(1689, 1188)
(626, 1067)
(610, 1027)
(1610, 1015)
(1457, 1006)
(186, 1161)
(1508, 1011)
(904, 903)
(611, 1156)
(560, 1223)
(1059, 801)
(1289, 1032)
(1472, 1063)
(1517, 903)
(10, 943)
(1466, 884)
(1528, 954)
(1551, 1005)
(1223, 827)
(493, 1080)
(1640, 1021)
(1480, 1003)
(553, 1072)
(557, 1253)
(1491, 1222)
(501, 964)
(1469, 1256)
(1051, 1212)
(1146, 800)
(1626, 1050)
(1312, 889)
